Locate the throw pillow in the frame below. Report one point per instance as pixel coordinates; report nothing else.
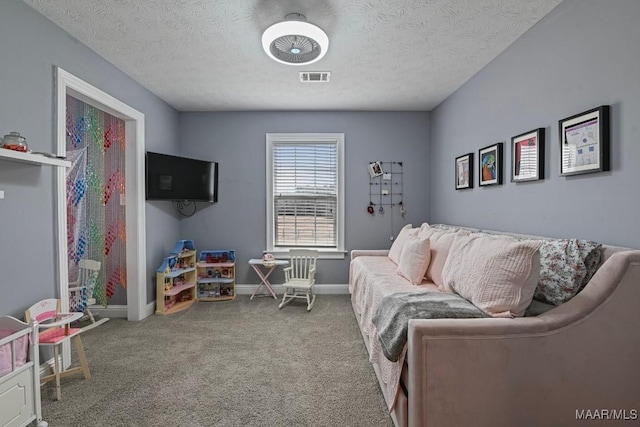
(414, 259)
(566, 267)
(396, 246)
(492, 273)
(440, 242)
(445, 227)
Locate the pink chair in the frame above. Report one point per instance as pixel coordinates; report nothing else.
(55, 329)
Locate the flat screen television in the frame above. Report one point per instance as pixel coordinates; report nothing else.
(180, 178)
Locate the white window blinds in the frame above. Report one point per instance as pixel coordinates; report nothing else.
(305, 194)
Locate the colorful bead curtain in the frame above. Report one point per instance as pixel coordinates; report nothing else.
(96, 227)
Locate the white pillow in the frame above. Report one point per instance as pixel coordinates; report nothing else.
(414, 259)
(492, 273)
(396, 247)
(440, 242)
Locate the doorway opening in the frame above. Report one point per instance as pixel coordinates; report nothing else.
(68, 89)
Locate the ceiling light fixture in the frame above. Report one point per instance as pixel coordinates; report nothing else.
(295, 41)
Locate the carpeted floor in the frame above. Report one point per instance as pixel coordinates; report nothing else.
(232, 363)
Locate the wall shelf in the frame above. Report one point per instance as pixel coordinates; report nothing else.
(33, 159)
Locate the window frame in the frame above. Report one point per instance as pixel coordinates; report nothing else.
(300, 138)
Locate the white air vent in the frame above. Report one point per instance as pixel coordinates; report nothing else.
(315, 76)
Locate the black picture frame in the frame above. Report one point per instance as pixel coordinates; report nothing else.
(585, 142)
(490, 162)
(527, 156)
(464, 171)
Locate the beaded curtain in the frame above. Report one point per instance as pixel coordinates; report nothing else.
(95, 188)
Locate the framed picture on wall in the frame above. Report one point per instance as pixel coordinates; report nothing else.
(584, 142)
(464, 171)
(375, 169)
(490, 164)
(527, 156)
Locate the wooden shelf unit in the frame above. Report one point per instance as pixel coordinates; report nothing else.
(176, 279)
(216, 276)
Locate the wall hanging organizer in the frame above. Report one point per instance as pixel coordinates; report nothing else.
(385, 186)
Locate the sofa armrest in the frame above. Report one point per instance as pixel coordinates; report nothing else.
(532, 371)
(368, 252)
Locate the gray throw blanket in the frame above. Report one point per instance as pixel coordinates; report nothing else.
(392, 315)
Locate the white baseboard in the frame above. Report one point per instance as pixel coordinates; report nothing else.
(317, 289)
(151, 308)
(111, 311)
(46, 368)
(120, 311)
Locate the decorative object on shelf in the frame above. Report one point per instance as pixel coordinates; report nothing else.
(15, 141)
(216, 275)
(490, 164)
(268, 260)
(527, 156)
(584, 142)
(295, 41)
(176, 279)
(464, 171)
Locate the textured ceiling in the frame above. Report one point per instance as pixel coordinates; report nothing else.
(206, 55)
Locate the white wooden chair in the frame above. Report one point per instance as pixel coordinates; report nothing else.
(300, 277)
(81, 291)
(53, 330)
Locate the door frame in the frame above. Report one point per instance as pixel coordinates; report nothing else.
(68, 84)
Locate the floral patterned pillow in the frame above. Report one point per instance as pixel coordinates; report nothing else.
(445, 227)
(566, 266)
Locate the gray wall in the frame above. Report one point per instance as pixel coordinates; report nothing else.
(237, 141)
(30, 47)
(584, 54)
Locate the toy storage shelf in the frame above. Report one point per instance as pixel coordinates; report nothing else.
(178, 272)
(216, 275)
(211, 280)
(179, 306)
(179, 288)
(176, 279)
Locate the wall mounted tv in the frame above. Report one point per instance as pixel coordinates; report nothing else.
(180, 178)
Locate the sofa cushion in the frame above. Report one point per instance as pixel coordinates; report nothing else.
(492, 273)
(414, 258)
(398, 243)
(440, 242)
(566, 267)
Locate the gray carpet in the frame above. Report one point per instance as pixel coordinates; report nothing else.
(231, 363)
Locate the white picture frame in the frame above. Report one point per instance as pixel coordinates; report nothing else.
(375, 169)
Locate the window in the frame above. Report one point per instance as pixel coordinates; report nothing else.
(305, 193)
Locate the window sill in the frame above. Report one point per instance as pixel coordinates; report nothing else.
(323, 254)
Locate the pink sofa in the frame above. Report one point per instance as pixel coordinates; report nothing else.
(580, 359)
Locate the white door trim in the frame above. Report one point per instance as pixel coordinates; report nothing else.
(68, 84)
